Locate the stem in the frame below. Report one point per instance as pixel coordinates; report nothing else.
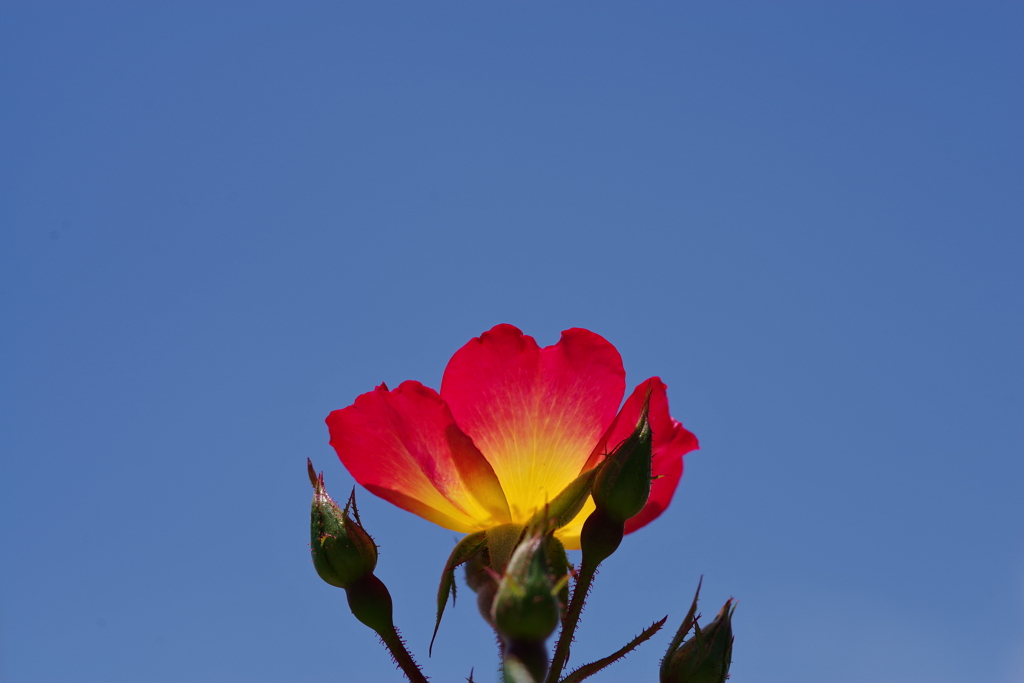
(572, 618)
(588, 670)
(393, 642)
(599, 538)
(370, 602)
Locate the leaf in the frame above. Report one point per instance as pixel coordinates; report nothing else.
(588, 670)
(567, 504)
(463, 552)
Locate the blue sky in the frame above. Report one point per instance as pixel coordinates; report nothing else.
(220, 222)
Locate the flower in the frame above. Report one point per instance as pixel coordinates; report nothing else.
(512, 425)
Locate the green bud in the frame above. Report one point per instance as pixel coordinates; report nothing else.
(623, 482)
(526, 605)
(486, 567)
(343, 553)
(704, 658)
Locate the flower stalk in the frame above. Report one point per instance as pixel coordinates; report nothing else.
(345, 556)
(620, 490)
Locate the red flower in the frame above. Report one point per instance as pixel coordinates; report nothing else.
(512, 426)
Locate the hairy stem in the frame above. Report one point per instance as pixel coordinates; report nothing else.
(572, 618)
(393, 642)
(588, 670)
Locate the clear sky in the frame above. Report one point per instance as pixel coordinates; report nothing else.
(221, 221)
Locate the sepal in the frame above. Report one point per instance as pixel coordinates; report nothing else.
(567, 504)
(464, 551)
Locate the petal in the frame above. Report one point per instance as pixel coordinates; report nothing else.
(404, 446)
(569, 534)
(668, 471)
(536, 414)
(671, 441)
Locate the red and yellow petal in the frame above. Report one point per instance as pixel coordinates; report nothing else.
(668, 471)
(405, 447)
(671, 441)
(534, 413)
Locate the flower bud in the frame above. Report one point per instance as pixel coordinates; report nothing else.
(343, 553)
(623, 482)
(526, 605)
(704, 658)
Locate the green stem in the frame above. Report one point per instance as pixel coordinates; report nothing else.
(588, 670)
(370, 602)
(393, 642)
(572, 618)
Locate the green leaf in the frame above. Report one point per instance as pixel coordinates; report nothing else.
(464, 551)
(567, 504)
